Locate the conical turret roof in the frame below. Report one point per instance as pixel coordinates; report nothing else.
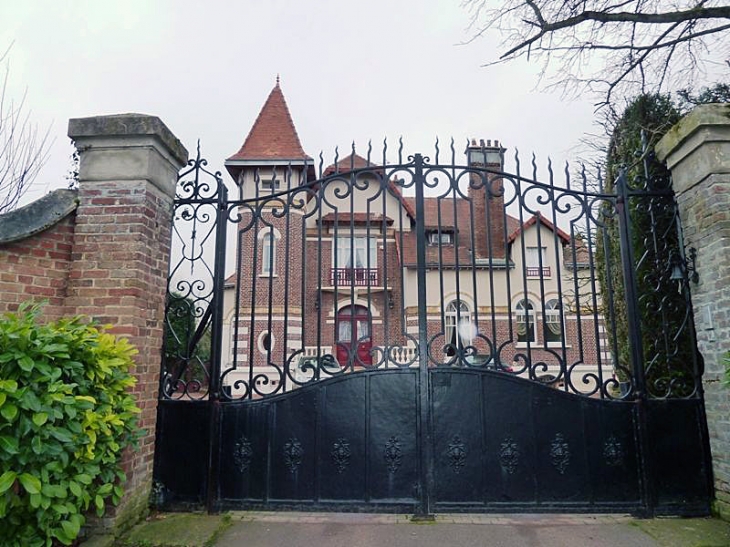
(273, 135)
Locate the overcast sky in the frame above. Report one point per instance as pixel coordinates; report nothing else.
(349, 71)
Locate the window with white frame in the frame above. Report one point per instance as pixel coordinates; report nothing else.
(525, 322)
(553, 322)
(536, 262)
(268, 253)
(271, 185)
(458, 326)
(355, 253)
(441, 237)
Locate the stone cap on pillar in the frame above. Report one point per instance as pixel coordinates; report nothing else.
(127, 147)
(706, 127)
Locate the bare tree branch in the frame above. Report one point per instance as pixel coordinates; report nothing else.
(23, 149)
(609, 46)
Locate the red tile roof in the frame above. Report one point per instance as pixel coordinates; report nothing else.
(356, 218)
(273, 135)
(354, 161)
(451, 209)
(516, 230)
(349, 163)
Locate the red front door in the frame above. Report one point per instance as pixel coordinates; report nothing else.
(353, 336)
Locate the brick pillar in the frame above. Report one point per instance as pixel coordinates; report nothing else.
(127, 174)
(697, 150)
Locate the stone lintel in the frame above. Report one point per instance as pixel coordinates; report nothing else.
(127, 147)
(706, 127)
(37, 216)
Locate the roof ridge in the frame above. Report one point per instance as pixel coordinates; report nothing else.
(350, 162)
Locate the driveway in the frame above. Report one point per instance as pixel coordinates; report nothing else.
(364, 530)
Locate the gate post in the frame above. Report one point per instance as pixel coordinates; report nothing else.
(128, 168)
(697, 151)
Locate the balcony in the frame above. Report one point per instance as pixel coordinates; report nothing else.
(537, 272)
(354, 277)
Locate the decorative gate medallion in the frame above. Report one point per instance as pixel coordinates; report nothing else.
(293, 453)
(613, 452)
(392, 454)
(560, 453)
(509, 455)
(341, 454)
(242, 454)
(457, 454)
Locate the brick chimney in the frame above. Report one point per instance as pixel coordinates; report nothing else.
(487, 197)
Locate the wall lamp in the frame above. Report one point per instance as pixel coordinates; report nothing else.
(684, 269)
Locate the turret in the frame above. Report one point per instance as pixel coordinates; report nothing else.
(270, 244)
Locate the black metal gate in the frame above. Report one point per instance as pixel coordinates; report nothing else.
(426, 337)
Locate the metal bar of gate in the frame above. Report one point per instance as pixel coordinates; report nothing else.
(425, 491)
(214, 381)
(635, 340)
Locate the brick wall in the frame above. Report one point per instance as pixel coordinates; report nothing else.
(697, 150)
(36, 268)
(706, 218)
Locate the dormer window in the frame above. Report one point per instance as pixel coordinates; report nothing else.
(271, 185)
(441, 237)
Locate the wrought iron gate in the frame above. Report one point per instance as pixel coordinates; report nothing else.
(423, 336)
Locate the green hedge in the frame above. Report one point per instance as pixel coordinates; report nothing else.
(66, 415)
(667, 343)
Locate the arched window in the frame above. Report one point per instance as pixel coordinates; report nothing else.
(458, 326)
(268, 253)
(553, 322)
(526, 322)
(353, 330)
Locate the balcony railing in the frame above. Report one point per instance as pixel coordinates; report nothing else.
(358, 277)
(535, 272)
